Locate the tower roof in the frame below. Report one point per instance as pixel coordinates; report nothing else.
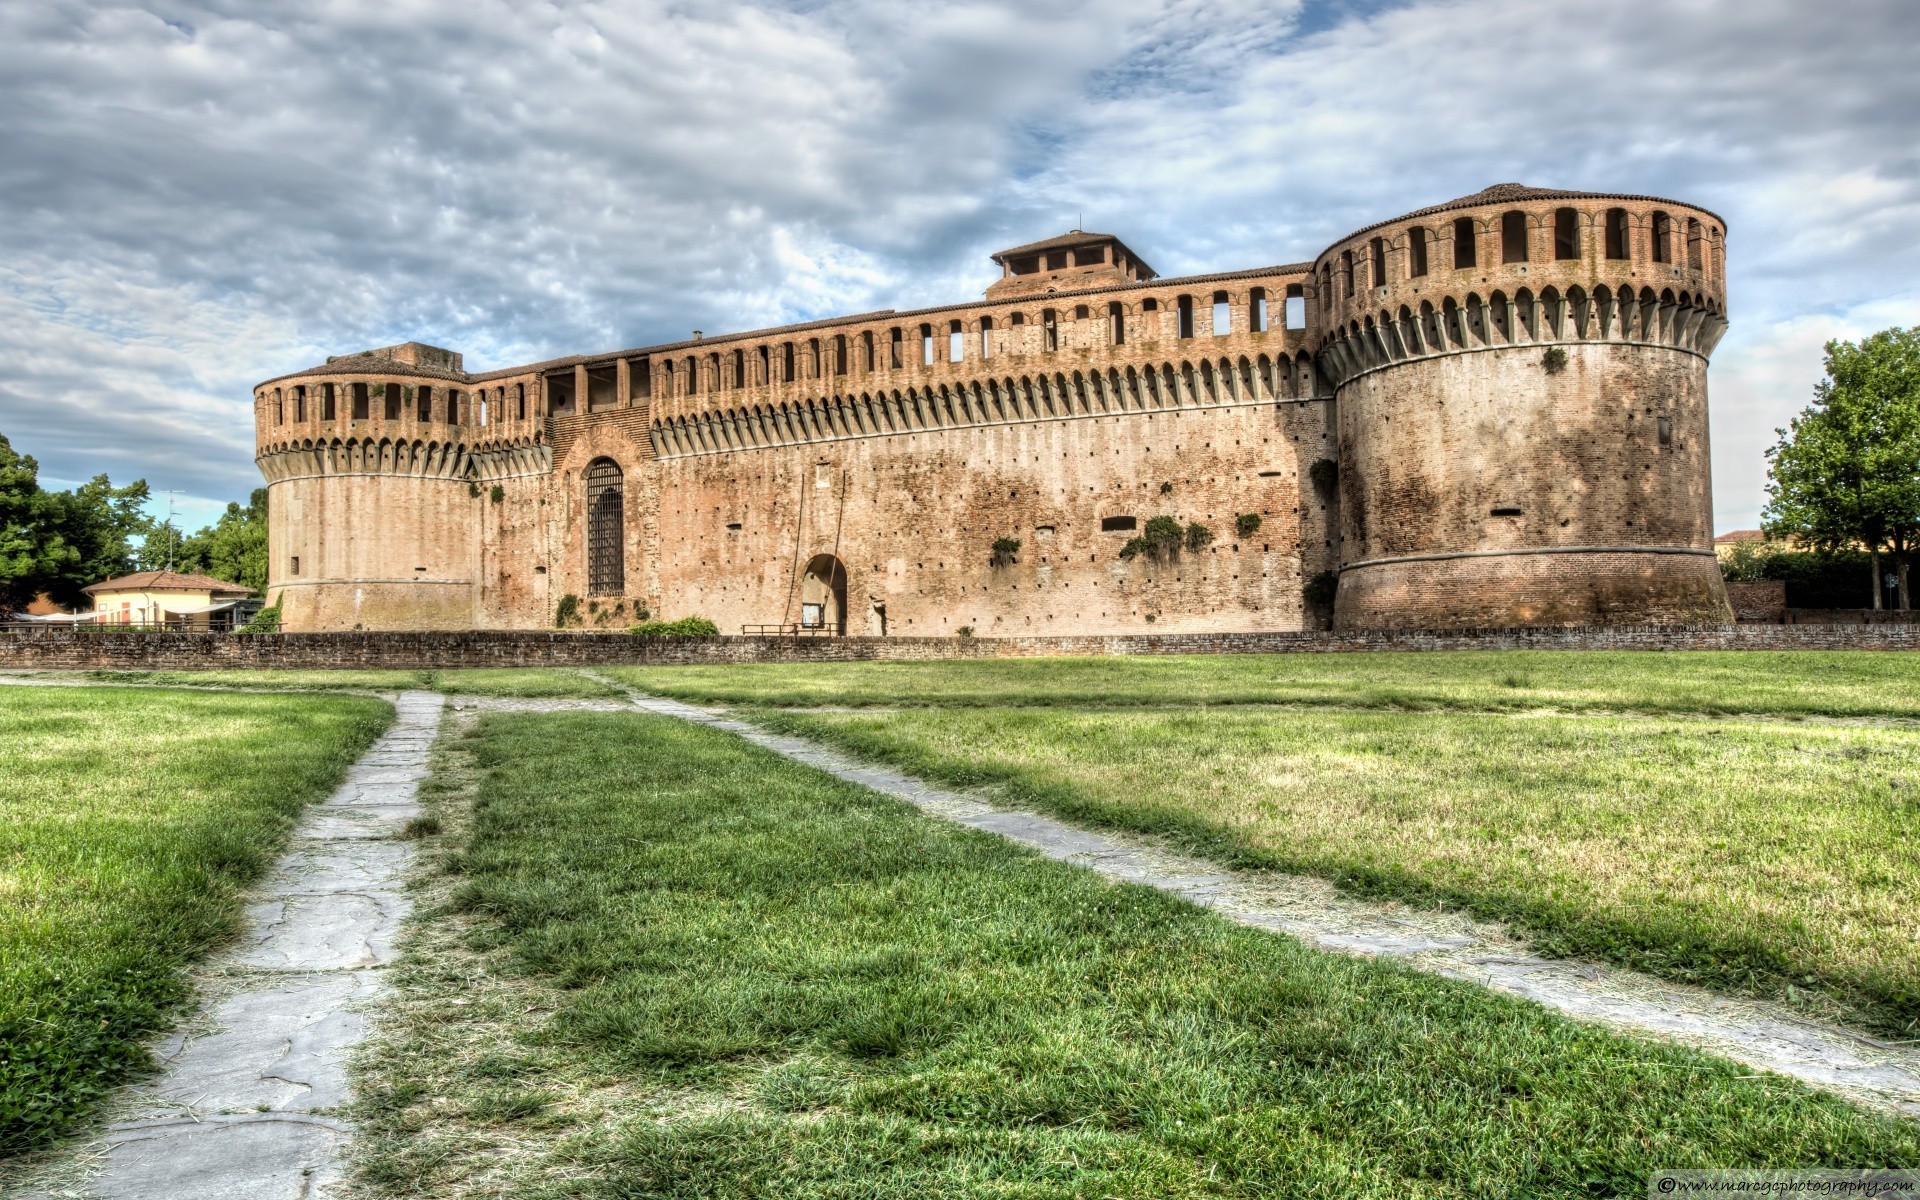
(1520, 193)
(1068, 240)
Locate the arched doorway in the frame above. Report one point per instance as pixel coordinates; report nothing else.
(606, 529)
(823, 594)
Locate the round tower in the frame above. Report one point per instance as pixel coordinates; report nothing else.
(372, 490)
(1521, 391)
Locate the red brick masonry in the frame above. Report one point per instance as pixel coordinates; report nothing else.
(54, 649)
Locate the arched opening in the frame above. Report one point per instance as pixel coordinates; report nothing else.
(1257, 310)
(986, 337)
(1463, 248)
(839, 354)
(926, 345)
(1346, 268)
(823, 595)
(606, 529)
(1049, 329)
(1116, 323)
(1222, 315)
(1513, 237)
(1416, 252)
(1696, 247)
(1662, 238)
(956, 342)
(1377, 259)
(1185, 306)
(1566, 233)
(1617, 234)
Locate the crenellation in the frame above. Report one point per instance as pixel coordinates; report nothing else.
(1519, 439)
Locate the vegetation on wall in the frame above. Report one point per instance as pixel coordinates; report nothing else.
(1246, 525)
(1159, 540)
(566, 614)
(1846, 474)
(1325, 474)
(1004, 549)
(267, 620)
(1321, 588)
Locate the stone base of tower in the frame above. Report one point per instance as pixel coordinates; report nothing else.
(389, 606)
(1491, 591)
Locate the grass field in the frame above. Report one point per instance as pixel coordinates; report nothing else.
(1795, 683)
(129, 820)
(760, 981)
(1746, 853)
(520, 682)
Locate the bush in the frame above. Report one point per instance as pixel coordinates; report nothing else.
(1321, 588)
(1246, 525)
(1160, 540)
(267, 620)
(1840, 580)
(1325, 474)
(684, 627)
(964, 631)
(567, 612)
(498, 493)
(1199, 537)
(1004, 549)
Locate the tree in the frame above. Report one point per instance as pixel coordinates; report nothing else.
(1846, 473)
(234, 548)
(59, 542)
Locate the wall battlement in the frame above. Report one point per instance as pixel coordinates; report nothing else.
(1509, 389)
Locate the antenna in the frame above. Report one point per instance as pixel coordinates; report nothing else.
(173, 536)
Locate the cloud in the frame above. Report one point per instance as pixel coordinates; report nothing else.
(200, 194)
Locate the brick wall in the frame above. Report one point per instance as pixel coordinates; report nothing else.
(70, 650)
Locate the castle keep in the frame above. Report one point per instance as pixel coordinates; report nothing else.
(1490, 412)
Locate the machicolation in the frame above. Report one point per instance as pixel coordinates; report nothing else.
(1492, 412)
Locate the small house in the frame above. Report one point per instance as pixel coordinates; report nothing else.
(167, 598)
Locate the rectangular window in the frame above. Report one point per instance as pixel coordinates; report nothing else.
(1296, 315)
(1222, 315)
(360, 401)
(328, 411)
(392, 412)
(1416, 252)
(1118, 524)
(1186, 317)
(296, 565)
(1257, 311)
(1049, 330)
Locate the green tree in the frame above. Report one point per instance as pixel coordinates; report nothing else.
(1846, 473)
(59, 542)
(234, 548)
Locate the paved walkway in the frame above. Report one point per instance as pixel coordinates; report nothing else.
(1761, 1035)
(244, 1106)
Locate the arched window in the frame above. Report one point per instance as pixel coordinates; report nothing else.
(893, 348)
(1416, 252)
(1346, 267)
(1377, 257)
(1566, 233)
(986, 337)
(839, 354)
(328, 402)
(866, 351)
(1617, 242)
(1049, 329)
(520, 401)
(279, 407)
(606, 529)
(956, 342)
(1257, 310)
(1080, 312)
(453, 407)
(392, 409)
(1662, 238)
(1463, 244)
(423, 402)
(692, 377)
(764, 372)
(786, 363)
(1116, 323)
(1326, 286)
(1296, 306)
(1222, 314)
(300, 403)
(739, 369)
(1185, 306)
(813, 358)
(1696, 251)
(1513, 237)
(926, 345)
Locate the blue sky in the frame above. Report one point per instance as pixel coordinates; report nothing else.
(198, 195)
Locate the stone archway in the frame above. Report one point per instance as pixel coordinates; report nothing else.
(823, 595)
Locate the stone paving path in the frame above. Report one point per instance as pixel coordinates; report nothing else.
(244, 1105)
(1766, 1036)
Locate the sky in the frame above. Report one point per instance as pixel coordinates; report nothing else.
(196, 196)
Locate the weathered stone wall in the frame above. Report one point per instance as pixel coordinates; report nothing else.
(66, 650)
(1764, 600)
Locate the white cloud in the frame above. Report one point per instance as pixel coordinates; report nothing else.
(196, 196)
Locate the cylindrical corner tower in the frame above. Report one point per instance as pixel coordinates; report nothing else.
(1521, 392)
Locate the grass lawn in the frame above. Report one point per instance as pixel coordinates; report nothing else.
(520, 682)
(1791, 682)
(129, 820)
(795, 987)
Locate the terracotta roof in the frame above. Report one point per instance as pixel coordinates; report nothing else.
(164, 581)
(1739, 535)
(1515, 193)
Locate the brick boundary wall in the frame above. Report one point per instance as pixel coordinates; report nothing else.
(73, 650)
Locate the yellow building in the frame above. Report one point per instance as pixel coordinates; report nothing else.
(166, 598)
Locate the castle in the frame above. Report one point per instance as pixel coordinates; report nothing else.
(1490, 412)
